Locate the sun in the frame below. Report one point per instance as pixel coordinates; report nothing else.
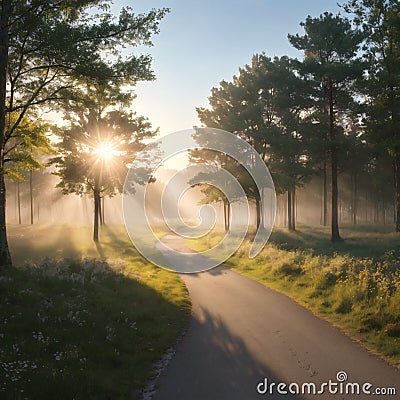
(105, 151)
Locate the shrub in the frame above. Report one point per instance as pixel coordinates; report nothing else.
(325, 281)
(345, 306)
(393, 330)
(289, 269)
(371, 322)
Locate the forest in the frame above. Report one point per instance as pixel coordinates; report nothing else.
(84, 314)
(325, 124)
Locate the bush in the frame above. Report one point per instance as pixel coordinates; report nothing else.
(325, 281)
(393, 330)
(345, 306)
(289, 269)
(371, 322)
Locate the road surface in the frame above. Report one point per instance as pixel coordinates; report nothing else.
(242, 334)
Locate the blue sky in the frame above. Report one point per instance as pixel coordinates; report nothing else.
(204, 42)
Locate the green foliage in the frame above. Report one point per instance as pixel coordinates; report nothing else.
(84, 327)
(27, 146)
(359, 293)
(48, 47)
(54, 44)
(262, 105)
(380, 22)
(345, 306)
(98, 144)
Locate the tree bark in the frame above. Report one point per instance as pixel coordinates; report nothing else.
(5, 256)
(103, 211)
(325, 196)
(258, 212)
(335, 236)
(96, 195)
(31, 193)
(294, 208)
(19, 203)
(226, 217)
(290, 214)
(100, 212)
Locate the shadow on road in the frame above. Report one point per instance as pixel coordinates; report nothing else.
(215, 364)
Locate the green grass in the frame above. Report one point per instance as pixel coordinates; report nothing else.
(355, 284)
(89, 321)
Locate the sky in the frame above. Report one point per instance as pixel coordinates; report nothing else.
(203, 42)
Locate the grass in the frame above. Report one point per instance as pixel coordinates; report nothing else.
(88, 322)
(354, 284)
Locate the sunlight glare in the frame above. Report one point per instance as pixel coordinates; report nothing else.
(105, 150)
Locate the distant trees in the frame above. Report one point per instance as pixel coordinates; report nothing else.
(380, 22)
(262, 104)
(334, 112)
(47, 46)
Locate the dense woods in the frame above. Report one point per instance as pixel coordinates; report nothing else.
(328, 122)
(52, 55)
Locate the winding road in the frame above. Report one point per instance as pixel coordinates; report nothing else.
(243, 335)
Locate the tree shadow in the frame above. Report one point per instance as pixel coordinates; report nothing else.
(100, 250)
(215, 364)
(106, 329)
(358, 241)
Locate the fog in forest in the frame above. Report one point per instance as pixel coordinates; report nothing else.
(51, 206)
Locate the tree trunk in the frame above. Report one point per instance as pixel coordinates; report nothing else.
(258, 212)
(31, 193)
(96, 195)
(290, 214)
(325, 196)
(226, 217)
(283, 210)
(19, 203)
(100, 212)
(103, 211)
(397, 190)
(335, 236)
(294, 208)
(354, 202)
(5, 256)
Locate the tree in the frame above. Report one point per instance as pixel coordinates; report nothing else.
(46, 45)
(380, 22)
(263, 105)
(97, 146)
(330, 46)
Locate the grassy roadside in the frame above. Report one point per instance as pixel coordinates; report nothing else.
(89, 321)
(355, 285)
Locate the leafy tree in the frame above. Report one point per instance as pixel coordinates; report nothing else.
(26, 150)
(97, 146)
(46, 45)
(380, 22)
(263, 104)
(330, 46)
